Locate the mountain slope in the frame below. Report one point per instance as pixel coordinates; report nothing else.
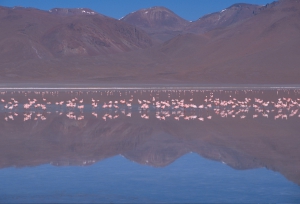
(260, 49)
(163, 24)
(36, 34)
(226, 17)
(159, 22)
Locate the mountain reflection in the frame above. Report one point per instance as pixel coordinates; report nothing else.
(242, 128)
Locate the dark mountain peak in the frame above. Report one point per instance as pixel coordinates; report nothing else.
(154, 17)
(72, 11)
(234, 13)
(158, 8)
(236, 9)
(284, 5)
(21, 10)
(160, 22)
(17, 8)
(242, 5)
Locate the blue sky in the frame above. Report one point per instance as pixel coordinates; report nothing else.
(187, 9)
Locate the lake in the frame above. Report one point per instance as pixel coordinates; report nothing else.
(150, 145)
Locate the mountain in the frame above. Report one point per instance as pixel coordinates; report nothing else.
(71, 12)
(159, 22)
(226, 17)
(35, 34)
(260, 49)
(163, 24)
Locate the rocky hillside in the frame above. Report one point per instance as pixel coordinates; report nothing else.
(35, 34)
(226, 17)
(255, 45)
(158, 22)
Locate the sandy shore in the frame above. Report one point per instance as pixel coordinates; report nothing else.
(76, 86)
(94, 86)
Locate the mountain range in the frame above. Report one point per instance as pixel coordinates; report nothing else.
(242, 44)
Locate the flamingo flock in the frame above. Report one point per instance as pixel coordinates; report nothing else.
(198, 105)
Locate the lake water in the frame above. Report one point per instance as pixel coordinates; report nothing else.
(150, 146)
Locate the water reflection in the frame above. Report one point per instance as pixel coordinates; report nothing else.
(244, 129)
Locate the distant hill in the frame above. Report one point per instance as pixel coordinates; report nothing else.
(260, 49)
(226, 17)
(159, 22)
(163, 24)
(29, 33)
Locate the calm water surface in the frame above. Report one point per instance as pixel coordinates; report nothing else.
(150, 146)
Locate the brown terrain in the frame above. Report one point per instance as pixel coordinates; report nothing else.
(159, 22)
(241, 144)
(35, 34)
(226, 17)
(244, 44)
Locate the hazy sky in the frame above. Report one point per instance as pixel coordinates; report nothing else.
(188, 9)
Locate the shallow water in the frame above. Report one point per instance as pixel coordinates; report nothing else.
(150, 146)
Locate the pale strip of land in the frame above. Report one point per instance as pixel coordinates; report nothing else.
(40, 86)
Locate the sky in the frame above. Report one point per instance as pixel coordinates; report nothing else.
(188, 9)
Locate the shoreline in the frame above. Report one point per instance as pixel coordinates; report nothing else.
(83, 86)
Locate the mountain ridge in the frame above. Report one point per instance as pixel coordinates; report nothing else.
(234, 13)
(44, 34)
(260, 49)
